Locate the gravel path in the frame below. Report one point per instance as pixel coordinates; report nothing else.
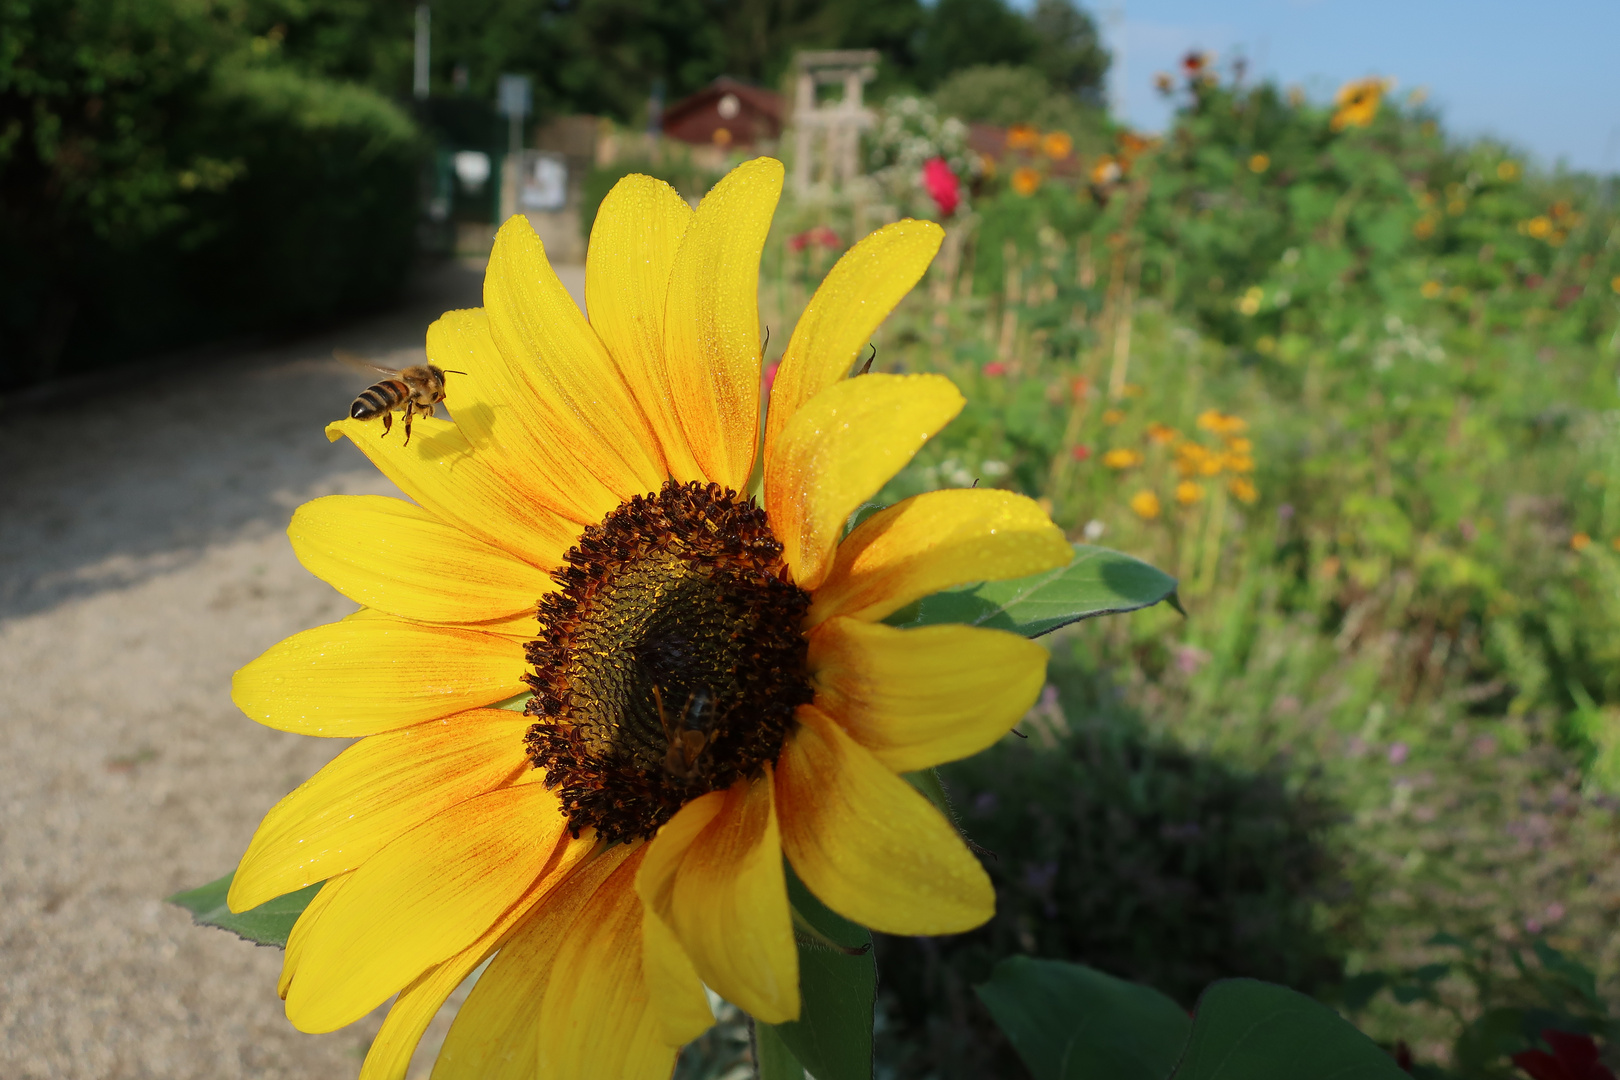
(142, 561)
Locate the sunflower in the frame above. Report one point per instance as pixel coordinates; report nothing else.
(1356, 103)
(710, 685)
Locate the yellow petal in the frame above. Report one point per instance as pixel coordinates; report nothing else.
(440, 470)
(305, 923)
(711, 324)
(380, 673)
(713, 875)
(867, 843)
(679, 1003)
(372, 792)
(627, 266)
(424, 898)
(854, 298)
(577, 401)
(916, 698)
(495, 410)
(838, 450)
(597, 1022)
(935, 541)
(398, 558)
(494, 1036)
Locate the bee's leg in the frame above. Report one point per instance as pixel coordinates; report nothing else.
(388, 424)
(410, 409)
(427, 410)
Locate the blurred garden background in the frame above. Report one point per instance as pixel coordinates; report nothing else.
(1347, 375)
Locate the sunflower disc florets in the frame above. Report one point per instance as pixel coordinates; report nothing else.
(670, 662)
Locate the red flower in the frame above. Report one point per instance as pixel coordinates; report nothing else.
(820, 234)
(995, 368)
(942, 185)
(1573, 1057)
(1080, 453)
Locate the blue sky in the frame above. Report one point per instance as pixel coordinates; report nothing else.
(1545, 77)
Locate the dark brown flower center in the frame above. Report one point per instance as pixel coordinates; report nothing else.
(669, 663)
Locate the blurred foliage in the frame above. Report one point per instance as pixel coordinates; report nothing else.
(1004, 95)
(1115, 846)
(146, 146)
(1354, 383)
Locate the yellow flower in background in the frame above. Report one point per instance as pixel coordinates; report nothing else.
(1432, 289)
(1424, 228)
(1296, 96)
(1614, 284)
(1133, 390)
(1507, 170)
(1250, 304)
(987, 165)
(700, 663)
(1122, 458)
(1022, 137)
(1025, 180)
(1113, 416)
(1219, 423)
(1579, 542)
(1242, 489)
(1162, 434)
(1239, 445)
(1057, 145)
(1145, 504)
(1188, 492)
(1539, 227)
(1259, 163)
(1193, 459)
(1238, 463)
(1356, 103)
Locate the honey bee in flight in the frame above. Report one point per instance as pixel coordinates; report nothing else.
(418, 388)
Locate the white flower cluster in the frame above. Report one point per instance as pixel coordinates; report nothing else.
(909, 133)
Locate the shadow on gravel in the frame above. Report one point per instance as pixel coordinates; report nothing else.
(108, 481)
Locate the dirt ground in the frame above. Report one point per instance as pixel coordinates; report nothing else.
(143, 560)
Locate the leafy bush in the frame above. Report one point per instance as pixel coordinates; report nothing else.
(1003, 94)
(1118, 849)
(166, 178)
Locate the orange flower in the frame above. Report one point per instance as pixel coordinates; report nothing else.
(1131, 144)
(1239, 445)
(1025, 180)
(1122, 458)
(1431, 289)
(1243, 489)
(1146, 505)
(1162, 434)
(1507, 171)
(1424, 228)
(1219, 423)
(1113, 416)
(1238, 463)
(1259, 163)
(1057, 145)
(1106, 171)
(1579, 542)
(1357, 102)
(1195, 61)
(1022, 137)
(1188, 492)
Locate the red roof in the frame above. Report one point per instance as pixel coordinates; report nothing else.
(745, 113)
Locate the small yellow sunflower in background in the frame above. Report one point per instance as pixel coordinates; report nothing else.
(1023, 137)
(1025, 180)
(712, 686)
(1145, 504)
(1057, 145)
(1356, 103)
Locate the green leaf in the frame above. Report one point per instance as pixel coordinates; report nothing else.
(1097, 582)
(772, 1058)
(833, 1036)
(1071, 1022)
(1249, 1030)
(267, 924)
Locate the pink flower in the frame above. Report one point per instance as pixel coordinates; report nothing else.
(995, 368)
(821, 235)
(768, 377)
(1080, 453)
(942, 185)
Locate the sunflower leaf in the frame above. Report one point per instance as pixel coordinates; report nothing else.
(772, 1058)
(1071, 1022)
(1253, 1030)
(837, 989)
(1096, 582)
(267, 924)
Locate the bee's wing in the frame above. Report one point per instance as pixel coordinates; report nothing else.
(360, 363)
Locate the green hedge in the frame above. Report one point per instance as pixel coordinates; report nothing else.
(166, 178)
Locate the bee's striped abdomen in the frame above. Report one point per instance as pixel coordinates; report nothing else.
(376, 400)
